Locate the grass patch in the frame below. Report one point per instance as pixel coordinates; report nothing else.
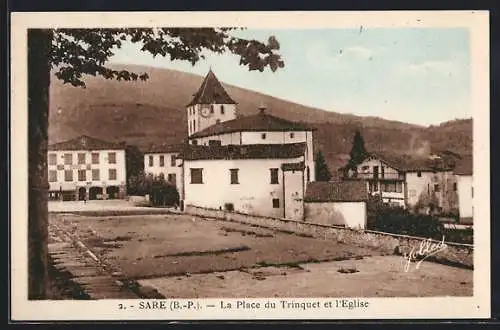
(347, 270)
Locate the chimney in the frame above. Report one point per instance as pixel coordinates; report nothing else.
(262, 108)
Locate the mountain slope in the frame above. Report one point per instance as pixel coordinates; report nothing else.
(143, 113)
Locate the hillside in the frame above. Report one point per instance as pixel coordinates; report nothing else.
(143, 113)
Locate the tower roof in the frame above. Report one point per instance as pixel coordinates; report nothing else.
(211, 91)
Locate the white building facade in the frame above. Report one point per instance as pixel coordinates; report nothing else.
(86, 168)
(257, 164)
(164, 161)
(465, 187)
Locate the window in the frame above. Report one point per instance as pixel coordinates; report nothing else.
(111, 157)
(276, 203)
(151, 161)
(212, 108)
(162, 160)
(419, 174)
(52, 176)
(194, 125)
(394, 187)
(112, 174)
(196, 175)
(292, 135)
(95, 158)
(383, 171)
(172, 178)
(263, 136)
(455, 188)
(52, 159)
(436, 188)
(472, 191)
(195, 142)
(308, 172)
(173, 160)
(375, 172)
(68, 159)
(221, 109)
(82, 175)
(214, 142)
(95, 175)
(68, 175)
(81, 158)
(234, 175)
(274, 176)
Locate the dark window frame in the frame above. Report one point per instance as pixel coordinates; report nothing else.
(54, 177)
(198, 178)
(82, 178)
(112, 170)
(234, 175)
(95, 158)
(162, 161)
(112, 156)
(68, 178)
(52, 159)
(276, 203)
(151, 161)
(274, 173)
(93, 172)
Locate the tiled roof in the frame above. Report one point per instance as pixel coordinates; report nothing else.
(85, 142)
(261, 122)
(211, 91)
(164, 148)
(343, 191)
(408, 163)
(464, 166)
(250, 151)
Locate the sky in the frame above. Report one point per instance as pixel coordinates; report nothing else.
(415, 75)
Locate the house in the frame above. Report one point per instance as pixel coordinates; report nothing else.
(463, 172)
(164, 160)
(257, 164)
(337, 203)
(86, 168)
(408, 181)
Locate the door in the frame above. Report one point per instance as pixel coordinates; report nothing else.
(293, 186)
(82, 191)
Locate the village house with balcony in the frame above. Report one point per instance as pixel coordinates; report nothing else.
(86, 168)
(409, 181)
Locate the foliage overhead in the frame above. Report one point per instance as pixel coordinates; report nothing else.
(78, 52)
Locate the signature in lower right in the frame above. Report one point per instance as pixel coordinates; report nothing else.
(425, 249)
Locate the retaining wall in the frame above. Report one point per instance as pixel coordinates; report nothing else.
(455, 254)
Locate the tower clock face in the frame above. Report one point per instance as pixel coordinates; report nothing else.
(205, 111)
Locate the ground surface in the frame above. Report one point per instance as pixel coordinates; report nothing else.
(185, 256)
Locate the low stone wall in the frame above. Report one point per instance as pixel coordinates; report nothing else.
(455, 254)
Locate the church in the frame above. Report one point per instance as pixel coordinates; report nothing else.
(257, 164)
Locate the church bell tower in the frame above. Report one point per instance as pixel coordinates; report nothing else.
(210, 105)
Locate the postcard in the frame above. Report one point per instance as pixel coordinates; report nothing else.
(250, 165)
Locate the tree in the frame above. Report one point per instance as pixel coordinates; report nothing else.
(74, 53)
(358, 152)
(134, 161)
(322, 171)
